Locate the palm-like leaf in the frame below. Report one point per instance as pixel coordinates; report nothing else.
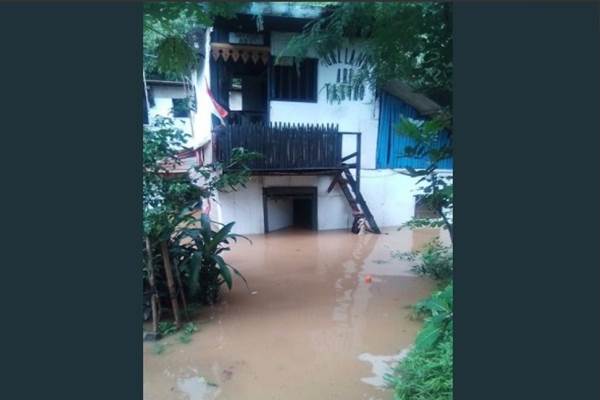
(223, 270)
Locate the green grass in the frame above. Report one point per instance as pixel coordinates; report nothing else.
(167, 328)
(425, 374)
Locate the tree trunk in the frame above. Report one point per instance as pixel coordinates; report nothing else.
(152, 282)
(170, 282)
(448, 225)
(183, 300)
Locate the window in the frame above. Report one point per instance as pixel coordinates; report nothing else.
(235, 95)
(181, 108)
(423, 210)
(295, 81)
(256, 39)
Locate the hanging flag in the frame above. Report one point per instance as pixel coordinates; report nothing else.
(218, 109)
(207, 208)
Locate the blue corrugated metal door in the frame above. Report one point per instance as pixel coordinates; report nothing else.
(390, 141)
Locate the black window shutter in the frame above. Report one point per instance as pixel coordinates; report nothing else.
(295, 82)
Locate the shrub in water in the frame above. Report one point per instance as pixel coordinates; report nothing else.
(426, 372)
(435, 261)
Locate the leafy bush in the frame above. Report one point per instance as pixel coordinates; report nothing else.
(434, 260)
(187, 332)
(201, 259)
(437, 311)
(170, 203)
(426, 375)
(166, 328)
(426, 372)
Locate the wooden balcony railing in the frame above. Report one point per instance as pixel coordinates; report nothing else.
(284, 147)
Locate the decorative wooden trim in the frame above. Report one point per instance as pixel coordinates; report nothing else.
(162, 82)
(245, 52)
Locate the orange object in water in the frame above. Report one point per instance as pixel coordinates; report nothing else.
(368, 279)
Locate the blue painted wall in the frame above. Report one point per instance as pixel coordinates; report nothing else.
(390, 143)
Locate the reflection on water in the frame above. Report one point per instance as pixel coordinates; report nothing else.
(307, 328)
(197, 388)
(381, 366)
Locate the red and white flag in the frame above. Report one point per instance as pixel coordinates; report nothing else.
(217, 109)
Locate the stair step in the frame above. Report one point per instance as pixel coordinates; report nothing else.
(347, 176)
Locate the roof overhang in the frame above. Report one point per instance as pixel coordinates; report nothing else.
(284, 9)
(423, 104)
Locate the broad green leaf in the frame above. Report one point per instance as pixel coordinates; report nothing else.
(224, 270)
(238, 273)
(219, 237)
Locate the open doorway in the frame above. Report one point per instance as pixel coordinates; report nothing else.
(241, 86)
(290, 207)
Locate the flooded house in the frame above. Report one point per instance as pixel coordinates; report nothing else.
(331, 153)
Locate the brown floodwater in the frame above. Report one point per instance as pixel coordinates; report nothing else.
(310, 326)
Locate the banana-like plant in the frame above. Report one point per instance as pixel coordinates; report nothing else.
(439, 307)
(203, 264)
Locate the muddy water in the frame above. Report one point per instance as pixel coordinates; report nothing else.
(310, 327)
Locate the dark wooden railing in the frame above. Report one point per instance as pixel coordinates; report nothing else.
(284, 147)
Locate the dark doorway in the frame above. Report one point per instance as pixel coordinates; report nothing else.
(302, 213)
(286, 207)
(241, 87)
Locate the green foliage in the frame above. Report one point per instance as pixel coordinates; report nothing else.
(437, 192)
(426, 373)
(438, 311)
(201, 259)
(168, 200)
(408, 41)
(164, 196)
(171, 203)
(158, 348)
(169, 28)
(226, 177)
(417, 223)
(186, 333)
(434, 260)
(175, 55)
(166, 328)
(184, 106)
(425, 134)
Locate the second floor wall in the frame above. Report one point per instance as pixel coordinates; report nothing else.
(354, 109)
(318, 90)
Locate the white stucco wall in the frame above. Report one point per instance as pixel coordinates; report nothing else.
(333, 211)
(163, 104)
(280, 213)
(245, 207)
(389, 195)
(352, 116)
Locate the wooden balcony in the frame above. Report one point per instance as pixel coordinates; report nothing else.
(284, 148)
